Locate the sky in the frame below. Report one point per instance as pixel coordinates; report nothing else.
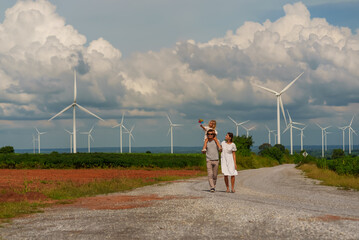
(187, 59)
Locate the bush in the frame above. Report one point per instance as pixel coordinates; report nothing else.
(337, 153)
(243, 144)
(7, 149)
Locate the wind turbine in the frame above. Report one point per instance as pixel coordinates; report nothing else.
(269, 134)
(326, 139)
(129, 137)
(237, 124)
(121, 126)
(33, 143)
(70, 133)
(280, 102)
(171, 130)
(38, 137)
(343, 129)
(301, 136)
(350, 134)
(89, 137)
(323, 132)
(248, 129)
(73, 106)
(290, 126)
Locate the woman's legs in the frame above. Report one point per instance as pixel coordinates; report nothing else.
(233, 179)
(226, 182)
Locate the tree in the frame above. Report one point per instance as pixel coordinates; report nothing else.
(243, 144)
(7, 149)
(338, 153)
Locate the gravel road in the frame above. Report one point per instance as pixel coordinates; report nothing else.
(269, 203)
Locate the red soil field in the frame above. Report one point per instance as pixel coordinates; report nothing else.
(13, 181)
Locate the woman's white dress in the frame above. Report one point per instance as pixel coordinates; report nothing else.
(227, 161)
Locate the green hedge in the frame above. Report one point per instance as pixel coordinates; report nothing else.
(100, 160)
(343, 166)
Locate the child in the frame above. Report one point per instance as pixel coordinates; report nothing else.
(212, 147)
(211, 125)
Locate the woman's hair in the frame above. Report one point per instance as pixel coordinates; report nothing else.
(230, 135)
(214, 123)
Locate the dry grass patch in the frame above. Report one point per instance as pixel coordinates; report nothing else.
(330, 178)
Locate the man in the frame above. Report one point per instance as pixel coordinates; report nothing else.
(212, 148)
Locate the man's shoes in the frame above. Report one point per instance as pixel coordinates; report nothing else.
(212, 190)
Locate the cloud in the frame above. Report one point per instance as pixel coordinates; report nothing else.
(38, 52)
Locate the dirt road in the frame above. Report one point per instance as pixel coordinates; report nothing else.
(269, 203)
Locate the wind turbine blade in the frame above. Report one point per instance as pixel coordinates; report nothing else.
(117, 125)
(85, 110)
(133, 138)
(65, 109)
(290, 119)
(351, 121)
(91, 128)
(296, 127)
(298, 123)
(232, 120)
(169, 119)
(132, 129)
(243, 122)
(288, 126)
(123, 115)
(319, 126)
(267, 89)
(75, 87)
(37, 130)
(68, 131)
(267, 128)
(290, 84)
(169, 130)
(177, 125)
(281, 106)
(353, 131)
(91, 138)
(125, 128)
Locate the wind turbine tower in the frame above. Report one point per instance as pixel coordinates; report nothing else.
(70, 133)
(323, 134)
(290, 126)
(120, 125)
(129, 137)
(89, 137)
(73, 106)
(172, 125)
(38, 138)
(280, 102)
(301, 136)
(343, 130)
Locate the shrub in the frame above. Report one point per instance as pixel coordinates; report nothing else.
(337, 153)
(243, 144)
(7, 149)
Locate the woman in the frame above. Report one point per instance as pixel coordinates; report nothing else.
(228, 160)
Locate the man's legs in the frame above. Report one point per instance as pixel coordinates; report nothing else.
(212, 171)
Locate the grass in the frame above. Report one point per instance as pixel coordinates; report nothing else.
(254, 161)
(330, 178)
(66, 192)
(14, 209)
